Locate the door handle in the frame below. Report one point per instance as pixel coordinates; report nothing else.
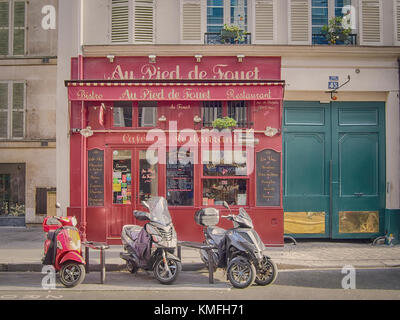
(358, 194)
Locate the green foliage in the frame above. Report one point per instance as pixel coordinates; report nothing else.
(335, 31)
(232, 31)
(224, 123)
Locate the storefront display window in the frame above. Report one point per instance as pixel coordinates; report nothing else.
(12, 189)
(148, 177)
(122, 177)
(233, 191)
(179, 181)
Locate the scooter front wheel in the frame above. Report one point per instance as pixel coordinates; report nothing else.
(72, 274)
(267, 272)
(167, 275)
(241, 273)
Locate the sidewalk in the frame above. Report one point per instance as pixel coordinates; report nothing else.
(21, 249)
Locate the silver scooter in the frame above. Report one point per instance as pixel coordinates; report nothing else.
(238, 250)
(152, 247)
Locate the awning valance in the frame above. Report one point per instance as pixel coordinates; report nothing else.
(158, 90)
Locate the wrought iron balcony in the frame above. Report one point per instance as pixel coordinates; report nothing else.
(320, 38)
(216, 38)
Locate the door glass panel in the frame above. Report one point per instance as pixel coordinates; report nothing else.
(122, 177)
(148, 176)
(233, 191)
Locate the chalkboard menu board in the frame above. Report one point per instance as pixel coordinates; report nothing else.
(95, 178)
(268, 176)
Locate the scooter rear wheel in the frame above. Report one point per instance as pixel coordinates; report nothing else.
(161, 273)
(72, 274)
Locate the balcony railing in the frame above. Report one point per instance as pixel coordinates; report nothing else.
(321, 39)
(216, 38)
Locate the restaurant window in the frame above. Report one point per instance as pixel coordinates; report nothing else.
(12, 27)
(122, 177)
(12, 189)
(210, 111)
(122, 113)
(180, 179)
(238, 111)
(224, 177)
(12, 110)
(147, 113)
(125, 115)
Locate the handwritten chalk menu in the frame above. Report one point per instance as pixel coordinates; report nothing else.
(95, 178)
(268, 176)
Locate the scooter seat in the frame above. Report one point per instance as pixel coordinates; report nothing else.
(216, 233)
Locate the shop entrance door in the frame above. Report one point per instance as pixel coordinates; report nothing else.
(334, 169)
(133, 178)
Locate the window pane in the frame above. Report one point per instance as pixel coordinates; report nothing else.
(19, 41)
(3, 124)
(233, 191)
(148, 177)
(224, 163)
(239, 13)
(210, 111)
(3, 96)
(238, 111)
(122, 177)
(147, 113)
(18, 124)
(179, 180)
(122, 114)
(215, 15)
(18, 96)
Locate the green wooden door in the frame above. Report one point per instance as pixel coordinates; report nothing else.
(333, 169)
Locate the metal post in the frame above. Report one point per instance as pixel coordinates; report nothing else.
(87, 259)
(210, 266)
(103, 265)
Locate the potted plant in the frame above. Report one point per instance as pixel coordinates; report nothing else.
(335, 32)
(224, 123)
(232, 33)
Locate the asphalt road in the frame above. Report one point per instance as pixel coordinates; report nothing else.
(370, 284)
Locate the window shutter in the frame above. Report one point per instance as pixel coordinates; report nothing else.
(19, 28)
(120, 21)
(191, 21)
(4, 28)
(397, 22)
(18, 106)
(265, 23)
(3, 110)
(371, 22)
(144, 25)
(299, 22)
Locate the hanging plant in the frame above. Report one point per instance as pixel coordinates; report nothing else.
(224, 123)
(335, 31)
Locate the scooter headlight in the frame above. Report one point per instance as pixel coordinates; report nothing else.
(74, 221)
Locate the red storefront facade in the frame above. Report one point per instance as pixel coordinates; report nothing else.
(140, 128)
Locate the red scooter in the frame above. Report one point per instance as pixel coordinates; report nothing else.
(62, 249)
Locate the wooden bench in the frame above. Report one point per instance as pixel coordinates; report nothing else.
(96, 246)
(201, 246)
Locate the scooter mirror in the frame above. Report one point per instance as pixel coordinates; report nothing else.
(144, 203)
(225, 204)
(58, 205)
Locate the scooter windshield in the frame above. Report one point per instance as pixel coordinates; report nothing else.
(159, 210)
(243, 219)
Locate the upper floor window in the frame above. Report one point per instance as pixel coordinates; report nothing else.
(12, 110)
(323, 10)
(12, 27)
(126, 115)
(132, 21)
(231, 12)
